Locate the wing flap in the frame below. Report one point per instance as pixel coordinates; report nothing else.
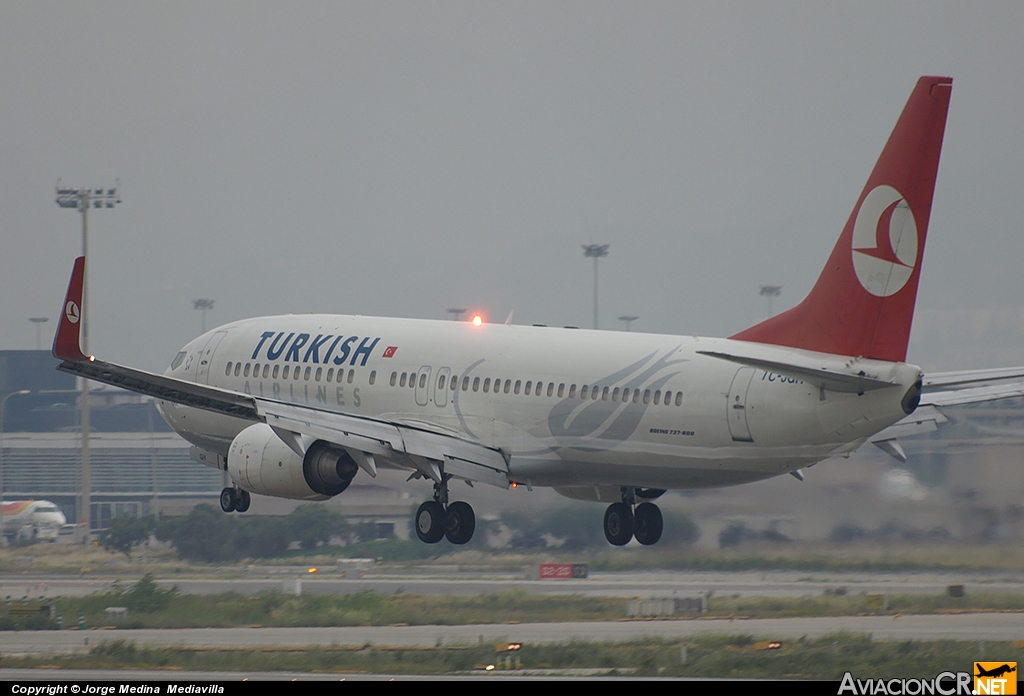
(461, 458)
(962, 377)
(973, 395)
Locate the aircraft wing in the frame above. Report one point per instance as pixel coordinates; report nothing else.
(416, 446)
(944, 389)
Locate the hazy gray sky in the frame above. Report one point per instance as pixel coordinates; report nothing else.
(403, 158)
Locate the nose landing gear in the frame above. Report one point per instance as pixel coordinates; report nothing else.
(622, 522)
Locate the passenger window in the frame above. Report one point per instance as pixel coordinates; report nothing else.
(668, 398)
(465, 383)
(352, 376)
(256, 370)
(615, 393)
(453, 384)
(476, 384)
(561, 390)
(401, 382)
(266, 370)
(679, 398)
(528, 389)
(657, 397)
(572, 391)
(519, 384)
(296, 371)
(508, 386)
(330, 375)
(440, 382)
(394, 376)
(373, 376)
(487, 385)
(287, 369)
(647, 396)
(319, 373)
(625, 395)
(277, 369)
(308, 370)
(604, 394)
(245, 372)
(227, 371)
(584, 391)
(423, 379)
(636, 396)
(238, 368)
(551, 388)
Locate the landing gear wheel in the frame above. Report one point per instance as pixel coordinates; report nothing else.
(430, 522)
(228, 500)
(242, 500)
(649, 523)
(618, 524)
(460, 523)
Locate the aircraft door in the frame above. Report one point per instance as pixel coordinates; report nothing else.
(206, 357)
(441, 387)
(737, 405)
(423, 386)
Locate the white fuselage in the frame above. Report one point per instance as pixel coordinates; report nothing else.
(721, 424)
(32, 519)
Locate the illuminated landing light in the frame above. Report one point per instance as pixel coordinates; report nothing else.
(515, 485)
(477, 320)
(313, 570)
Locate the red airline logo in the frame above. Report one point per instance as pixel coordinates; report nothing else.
(389, 352)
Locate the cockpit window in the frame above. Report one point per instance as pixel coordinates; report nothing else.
(178, 359)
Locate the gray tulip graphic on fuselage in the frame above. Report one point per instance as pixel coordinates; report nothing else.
(570, 421)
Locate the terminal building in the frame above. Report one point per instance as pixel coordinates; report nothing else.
(138, 465)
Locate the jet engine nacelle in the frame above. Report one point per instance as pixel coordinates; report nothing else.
(260, 462)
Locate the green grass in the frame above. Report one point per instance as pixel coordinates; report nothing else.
(706, 656)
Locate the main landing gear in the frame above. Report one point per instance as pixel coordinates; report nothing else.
(623, 522)
(234, 500)
(437, 519)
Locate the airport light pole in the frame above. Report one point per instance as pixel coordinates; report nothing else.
(628, 319)
(3, 414)
(595, 251)
(202, 306)
(456, 312)
(770, 291)
(39, 321)
(82, 199)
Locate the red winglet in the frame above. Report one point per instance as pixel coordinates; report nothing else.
(66, 344)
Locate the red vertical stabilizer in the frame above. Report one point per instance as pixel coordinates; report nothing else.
(863, 302)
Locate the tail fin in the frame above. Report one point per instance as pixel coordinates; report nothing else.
(863, 302)
(66, 344)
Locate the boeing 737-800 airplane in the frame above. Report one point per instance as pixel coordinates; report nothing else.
(294, 406)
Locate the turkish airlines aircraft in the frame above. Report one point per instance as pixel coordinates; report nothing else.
(294, 406)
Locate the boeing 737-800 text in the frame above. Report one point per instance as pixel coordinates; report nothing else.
(295, 406)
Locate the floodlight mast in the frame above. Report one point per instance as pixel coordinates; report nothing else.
(39, 321)
(81, 199)
(771, 292)
(202, 305)
(595, 251)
